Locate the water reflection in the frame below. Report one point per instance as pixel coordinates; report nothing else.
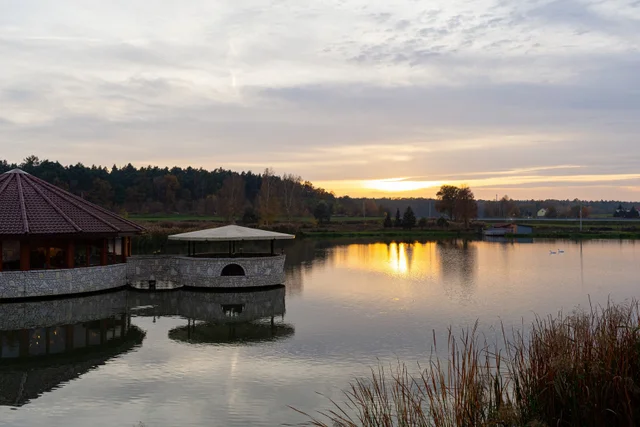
(46, 344)
(219, 318)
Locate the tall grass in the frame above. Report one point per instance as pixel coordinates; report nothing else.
(581, 369)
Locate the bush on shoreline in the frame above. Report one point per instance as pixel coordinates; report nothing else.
(581, 369)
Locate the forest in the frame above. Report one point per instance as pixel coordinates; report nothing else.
(264, 196)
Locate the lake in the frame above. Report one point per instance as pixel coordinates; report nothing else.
(196, 359)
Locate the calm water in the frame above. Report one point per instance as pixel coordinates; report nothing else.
(193, 359)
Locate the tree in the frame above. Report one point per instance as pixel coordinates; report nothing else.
(101, 193)
(409, 218)
(442, 222)
(466, 207)
(552, 212)
(387, 221)
(398, 221)
(322, 212)
(422, 223)
(508, 207)
(231, 198)
(633, 213)
(291, 189)
(268, 203)
(250, 216)
(370, 208)
(446, 200)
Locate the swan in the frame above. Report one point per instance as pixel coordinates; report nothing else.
(560, 251)
(552, 252)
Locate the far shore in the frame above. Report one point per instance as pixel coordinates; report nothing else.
(352, 227)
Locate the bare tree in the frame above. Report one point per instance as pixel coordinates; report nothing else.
(268, 202)
(291, 190)
(231, 198)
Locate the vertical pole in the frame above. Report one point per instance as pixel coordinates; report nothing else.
(25, 255)
(229, 248)
(1, 255)
(123, 249)
(234, 248)
(580, 217)
(273, 247)
(47, 255)
(71, 254)
(103, 253)
(87, 250)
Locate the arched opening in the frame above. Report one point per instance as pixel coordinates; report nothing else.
(232, 270)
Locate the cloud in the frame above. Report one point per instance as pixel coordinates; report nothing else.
(337, 90)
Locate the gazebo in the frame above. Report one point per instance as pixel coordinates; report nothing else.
(43, 227)
(232, 268)
(231, 234)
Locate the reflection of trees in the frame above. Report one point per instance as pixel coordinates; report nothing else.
(458, 261)
(302, 255)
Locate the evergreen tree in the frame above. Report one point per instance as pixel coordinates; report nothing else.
(387, 221)
(422, 223)
(409, 218)
(398, 222)
(322, 212)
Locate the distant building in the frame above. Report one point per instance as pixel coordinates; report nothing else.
(504, 229)
(541, 213)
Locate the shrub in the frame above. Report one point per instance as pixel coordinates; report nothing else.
(582, 369)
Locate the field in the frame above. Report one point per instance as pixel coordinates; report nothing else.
(210, 218)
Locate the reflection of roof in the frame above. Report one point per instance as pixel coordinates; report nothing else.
(209, 333)
(25, 379)
(231, 233)
(29, 205)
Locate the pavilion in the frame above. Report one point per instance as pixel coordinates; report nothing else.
(207, 266)
(43, 227)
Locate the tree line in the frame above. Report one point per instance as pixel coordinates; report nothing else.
(263, 197)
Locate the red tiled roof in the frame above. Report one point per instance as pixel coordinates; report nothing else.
(29, 205)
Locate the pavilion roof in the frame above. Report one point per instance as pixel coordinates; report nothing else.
(32, 206)
(229, 233)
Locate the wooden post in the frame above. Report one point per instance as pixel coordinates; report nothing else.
(1, 255)
(123, 249)
(103, 253)
(25, 255)
(47, 256)
(71, 254)
(273, 247)
(87, 251)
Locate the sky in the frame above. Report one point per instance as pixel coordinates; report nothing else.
(530, 98)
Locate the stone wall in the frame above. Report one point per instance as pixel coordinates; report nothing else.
(39, 283)
(168, 272)
(175, 271)
(38, 314)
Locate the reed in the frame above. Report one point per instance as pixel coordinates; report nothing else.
(581, 369)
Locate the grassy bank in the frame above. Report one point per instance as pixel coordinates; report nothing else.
(581, 369)
(444, 234)
(343, 227)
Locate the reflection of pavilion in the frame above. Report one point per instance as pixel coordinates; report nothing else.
(219, 317)
(37, 359)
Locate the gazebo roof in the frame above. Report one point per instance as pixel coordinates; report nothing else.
(230, 233)
(31, 206)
